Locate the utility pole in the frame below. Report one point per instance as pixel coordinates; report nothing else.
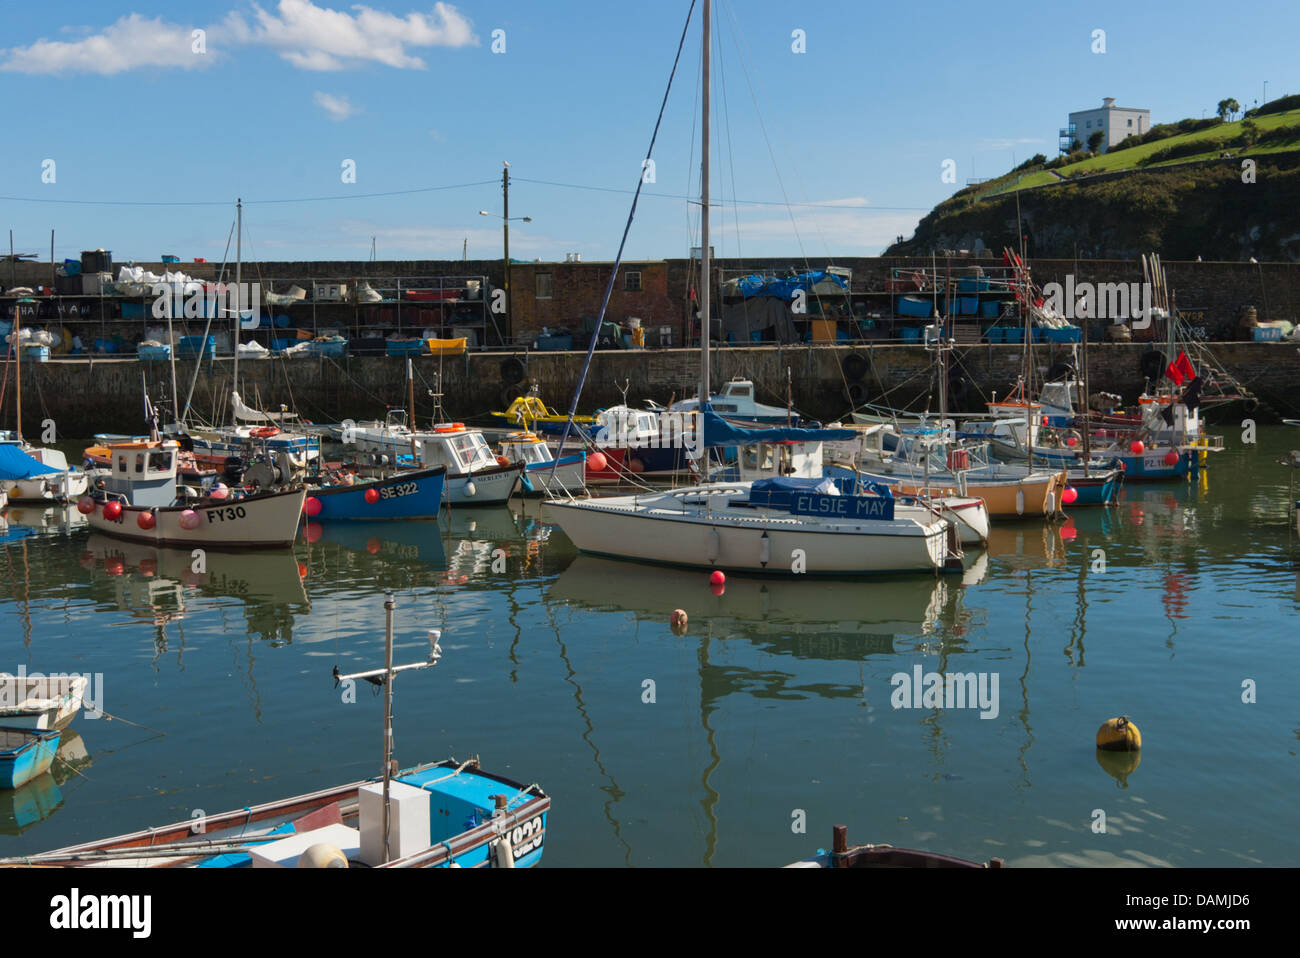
(505, 224)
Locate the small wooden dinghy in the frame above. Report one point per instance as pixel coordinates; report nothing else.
(25, 755)
(40, 702)
(843, 855)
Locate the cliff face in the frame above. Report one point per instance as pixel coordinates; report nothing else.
(1196, 209)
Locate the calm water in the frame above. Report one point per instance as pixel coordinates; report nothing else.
(776, 701)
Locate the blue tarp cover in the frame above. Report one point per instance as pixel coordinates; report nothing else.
(16, 464)
(719, 432)
(784, 288)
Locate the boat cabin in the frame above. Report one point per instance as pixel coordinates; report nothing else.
(526, 447)
(461, 450)
(143, 472)
(621, 427)
(767, 460)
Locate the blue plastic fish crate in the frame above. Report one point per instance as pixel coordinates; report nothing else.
(405, 347)
(1071, 334)
(914, 306)
(154, 354)
(334, 350)
(993, 334)
(1267, 334)
(555, 343)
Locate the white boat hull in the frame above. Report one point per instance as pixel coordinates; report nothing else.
(487, 488)
(40, 704)
(257, 522)
(759, 542)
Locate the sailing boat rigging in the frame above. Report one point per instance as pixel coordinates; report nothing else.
(784, 525)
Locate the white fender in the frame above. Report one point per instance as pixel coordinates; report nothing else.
(1020, 501)
(505, 855)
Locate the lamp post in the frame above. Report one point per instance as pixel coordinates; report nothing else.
(505, 226)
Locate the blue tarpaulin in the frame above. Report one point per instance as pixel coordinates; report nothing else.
(719, 432)
(16, 464)
(784, 287)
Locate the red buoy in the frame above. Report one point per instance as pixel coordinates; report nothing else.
(1171, 458)
(717, 578)
(85, 505)
(372, 495)
(1136, 447)
(1069, 495)
(313, 506)
(596, 462)
(146, 520)
(1072, 440)
(112, 510)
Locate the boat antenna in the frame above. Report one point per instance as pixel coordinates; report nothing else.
(385, 677)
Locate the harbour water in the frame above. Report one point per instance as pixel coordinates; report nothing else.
(711, 748)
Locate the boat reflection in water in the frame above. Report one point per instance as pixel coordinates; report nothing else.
(813, 618)
(40, 798)
(158, 584)
(50, 520)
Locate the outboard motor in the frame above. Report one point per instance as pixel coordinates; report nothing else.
(233, 471)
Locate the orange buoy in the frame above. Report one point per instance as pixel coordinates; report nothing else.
(1119, 735)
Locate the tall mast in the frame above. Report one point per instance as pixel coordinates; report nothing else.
(706, 322)
(239, 250)
(388, 713)
(16, 342)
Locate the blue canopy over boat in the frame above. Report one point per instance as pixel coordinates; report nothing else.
(719, 432)
(16, 464)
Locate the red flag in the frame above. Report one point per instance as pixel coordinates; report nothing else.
(1180, 370)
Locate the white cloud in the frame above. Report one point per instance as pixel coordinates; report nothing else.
(318, 38)
(130, 43)
(337, 107)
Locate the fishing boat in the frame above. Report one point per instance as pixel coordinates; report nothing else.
(416, 494)
(445, 814)
(635, 445)
(40, 702)
(25, 755)
(544, 475)
(139, 500)
(474, 475)
(843, 855)
(736, 401)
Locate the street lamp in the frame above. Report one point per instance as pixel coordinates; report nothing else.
(506, 219)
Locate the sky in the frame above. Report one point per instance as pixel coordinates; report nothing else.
(127, 130)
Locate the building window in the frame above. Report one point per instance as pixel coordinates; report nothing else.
(1130, 122)
(1090, 124)
(632, 281)
(544, 285)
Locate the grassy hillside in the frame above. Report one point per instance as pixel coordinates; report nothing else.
(1175, 194)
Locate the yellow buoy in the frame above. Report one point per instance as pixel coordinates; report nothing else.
(1119, 735)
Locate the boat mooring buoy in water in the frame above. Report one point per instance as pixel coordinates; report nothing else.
(1119, 735)
(678, 621)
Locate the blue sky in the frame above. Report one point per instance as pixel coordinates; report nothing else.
(853, 132)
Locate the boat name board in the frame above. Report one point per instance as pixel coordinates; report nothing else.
(842, 507)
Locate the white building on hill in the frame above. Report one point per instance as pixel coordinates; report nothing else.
(1115, 123)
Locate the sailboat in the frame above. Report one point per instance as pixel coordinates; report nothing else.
(784, 525)
(252, 430)
(49, 478)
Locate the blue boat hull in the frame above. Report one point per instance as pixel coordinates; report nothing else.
(411, 495)
(1096, 490)
(24, 755)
